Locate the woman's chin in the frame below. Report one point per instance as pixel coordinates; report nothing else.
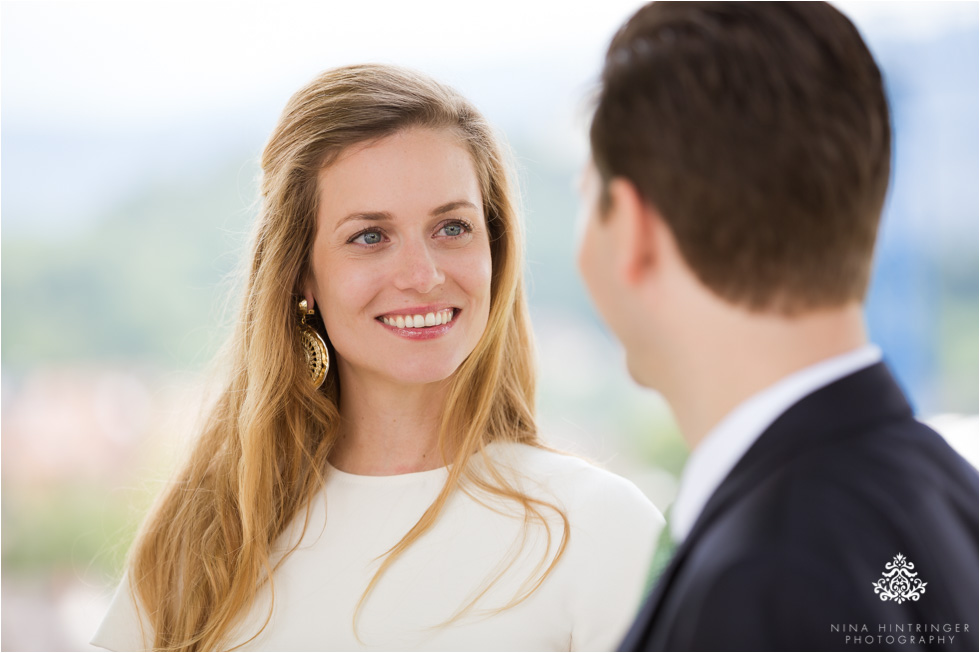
(407, 373)
(424, 376)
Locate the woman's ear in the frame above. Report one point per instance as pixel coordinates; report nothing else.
(306, 291)
(631, 219)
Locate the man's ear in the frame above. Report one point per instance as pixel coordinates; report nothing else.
(630, 218)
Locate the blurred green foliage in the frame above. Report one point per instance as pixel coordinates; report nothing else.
(143, 283)
(70, 526)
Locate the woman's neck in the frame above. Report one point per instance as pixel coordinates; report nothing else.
(387, 428)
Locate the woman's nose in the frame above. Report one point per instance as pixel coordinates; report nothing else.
(418, 268)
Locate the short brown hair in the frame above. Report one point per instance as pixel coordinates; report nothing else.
(760, 132)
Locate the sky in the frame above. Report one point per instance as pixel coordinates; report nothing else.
(101, 96)
(118, 62)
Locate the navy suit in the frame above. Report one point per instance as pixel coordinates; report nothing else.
(786, 553)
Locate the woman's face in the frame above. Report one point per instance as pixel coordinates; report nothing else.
(401, 258)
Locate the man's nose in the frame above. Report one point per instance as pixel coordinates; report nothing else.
(418, 267)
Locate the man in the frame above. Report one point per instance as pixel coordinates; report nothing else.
(740, 162)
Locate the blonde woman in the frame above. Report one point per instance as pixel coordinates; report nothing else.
(371, 477)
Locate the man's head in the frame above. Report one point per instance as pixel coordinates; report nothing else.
(755, 137)
(759, 132)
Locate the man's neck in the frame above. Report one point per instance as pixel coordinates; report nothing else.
(737, 355)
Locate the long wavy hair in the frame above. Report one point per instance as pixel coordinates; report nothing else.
(206, 548)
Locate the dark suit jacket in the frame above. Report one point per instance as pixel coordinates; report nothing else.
(786, 553)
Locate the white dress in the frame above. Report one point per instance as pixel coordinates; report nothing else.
(585, 604)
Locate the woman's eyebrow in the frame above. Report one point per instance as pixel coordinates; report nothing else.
(370, 215)
(452, 206)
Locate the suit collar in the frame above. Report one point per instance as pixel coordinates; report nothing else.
(834, 412)
(721, 449)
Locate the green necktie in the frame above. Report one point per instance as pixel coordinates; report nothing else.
(661, 555)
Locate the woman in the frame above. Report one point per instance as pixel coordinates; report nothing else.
(407, 502)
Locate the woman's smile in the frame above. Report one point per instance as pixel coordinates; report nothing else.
(420, 322)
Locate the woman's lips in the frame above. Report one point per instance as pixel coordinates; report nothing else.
(431, 325)
(420, 319)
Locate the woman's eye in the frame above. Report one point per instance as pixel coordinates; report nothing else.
(367, 238)
(454, 229)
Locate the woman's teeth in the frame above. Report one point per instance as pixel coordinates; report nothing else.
(419, 321)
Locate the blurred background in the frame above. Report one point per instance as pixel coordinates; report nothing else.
(130, 139)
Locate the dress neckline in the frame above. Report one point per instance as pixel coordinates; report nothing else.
(388, 479)
(439, 473)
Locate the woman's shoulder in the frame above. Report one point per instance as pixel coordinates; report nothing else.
(580, 485)
(125, 626)
(613, 533)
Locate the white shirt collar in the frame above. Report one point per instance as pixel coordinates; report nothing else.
(728, 441)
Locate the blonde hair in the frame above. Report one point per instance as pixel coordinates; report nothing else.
(205, 549)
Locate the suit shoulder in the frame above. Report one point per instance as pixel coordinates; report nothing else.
(902, 468)
(904, 446)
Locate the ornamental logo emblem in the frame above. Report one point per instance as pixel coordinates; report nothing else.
(900, 583)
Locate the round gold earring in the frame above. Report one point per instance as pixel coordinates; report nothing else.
(317, 357)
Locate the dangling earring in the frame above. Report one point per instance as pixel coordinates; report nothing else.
(317, 358)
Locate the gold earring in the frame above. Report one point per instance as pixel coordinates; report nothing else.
(317, 357)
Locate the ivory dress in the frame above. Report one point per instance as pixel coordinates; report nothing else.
(585, 604)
